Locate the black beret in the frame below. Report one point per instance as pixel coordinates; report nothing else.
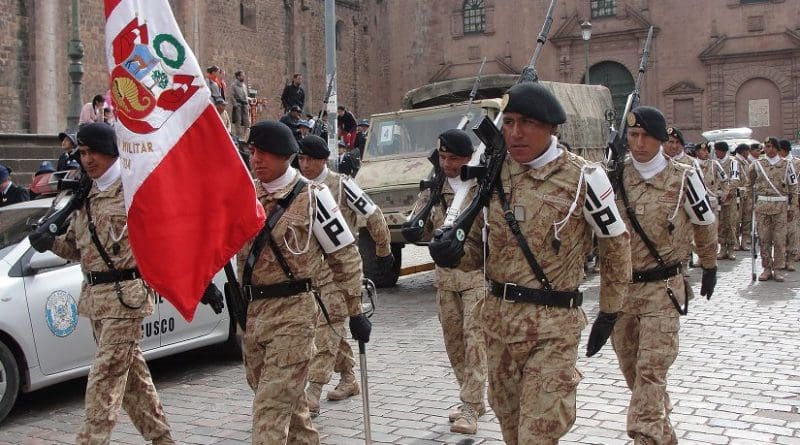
(99, 137)
(674, 132)
(457, 142)
(755, 146)
(273, 137)
(532, 100)
(742, 148)
(722, 146)
(771, 140)
(651, 120)
(784, 144)
(314, 146)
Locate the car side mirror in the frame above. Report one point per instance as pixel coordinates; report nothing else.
(45, 260)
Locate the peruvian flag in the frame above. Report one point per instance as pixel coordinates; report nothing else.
(191, 203)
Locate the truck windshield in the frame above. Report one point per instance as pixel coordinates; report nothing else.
(413, 134)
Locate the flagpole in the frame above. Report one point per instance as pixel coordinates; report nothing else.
(330, 79)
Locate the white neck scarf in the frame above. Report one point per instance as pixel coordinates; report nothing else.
(679, 156)
(652, 167)
(774, 160)
(108, 178)
(322, 175)
(550, 155)
(456, 183)
(282, 181)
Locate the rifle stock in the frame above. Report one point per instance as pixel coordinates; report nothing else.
(233, 294)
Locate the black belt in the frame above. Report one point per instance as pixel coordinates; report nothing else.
(557, 298)
(657, 273)
(284, 289)
(112, 276)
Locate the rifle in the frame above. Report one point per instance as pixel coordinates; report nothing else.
(413, 229)
(616, 139)
(447, 245)
(318, 123)
(233, 293)
(75, 188)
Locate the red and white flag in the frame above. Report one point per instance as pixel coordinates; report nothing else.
(191, 203)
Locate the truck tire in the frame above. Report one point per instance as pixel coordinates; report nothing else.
(381, 278)
(9, 380)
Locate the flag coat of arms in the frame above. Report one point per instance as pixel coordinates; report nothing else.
(191, 202)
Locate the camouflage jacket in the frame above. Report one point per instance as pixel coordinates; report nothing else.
(469, 273)
(110, 219)
(734, 173)
(779, 177)
(292, 232)
(714, 176)
(539, 198)
(658, 203)
(351, 210)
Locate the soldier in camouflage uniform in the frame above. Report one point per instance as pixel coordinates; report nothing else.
(792, 249)
(113, 297)
(331, 340)
(714, 175)
(460, 290)
(558, 199)
(670, 204)
(281, 318)
(726, 229)
(773, 190)
(745, 216)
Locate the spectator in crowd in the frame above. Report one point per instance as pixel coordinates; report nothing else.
(347, 125)
(108, 116)
(40, 183)
(304, 127)
(361, 136)
(292, 120)
(10, 193)
(92, 111)
(241, 106)
(349, 160)
(219, 104)
(68, 143)
(311, 119)
(293, 94)
(215, 83)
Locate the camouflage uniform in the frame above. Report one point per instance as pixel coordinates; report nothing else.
(531, 349)
(333, 351)
(460, 292)
(771, 210)
(745, 205)
(792, 248)
(727, 199)
(119, 375)
(645, 337)
(279, 340)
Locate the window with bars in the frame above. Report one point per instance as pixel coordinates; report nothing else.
(474, 16)
(604, 8)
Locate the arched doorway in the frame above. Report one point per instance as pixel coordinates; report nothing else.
(616, 78)
(758, 106)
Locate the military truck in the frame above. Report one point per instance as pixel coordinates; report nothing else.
(399, 142)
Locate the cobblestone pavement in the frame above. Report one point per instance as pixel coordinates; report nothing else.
(736, 380)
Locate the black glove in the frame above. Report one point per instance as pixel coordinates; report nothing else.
(385, 262)
(41, 239)
(360, 327)
(601, 330)
(708, 283)
(213, 297)
(445, 248)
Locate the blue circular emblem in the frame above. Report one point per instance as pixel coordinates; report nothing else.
(61, 313)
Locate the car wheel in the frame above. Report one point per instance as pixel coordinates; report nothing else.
(381, 277)
(9, 380)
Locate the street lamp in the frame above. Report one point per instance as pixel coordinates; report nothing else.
(586, 33)
(75, 70)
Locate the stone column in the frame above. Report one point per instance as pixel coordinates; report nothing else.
(44, 109)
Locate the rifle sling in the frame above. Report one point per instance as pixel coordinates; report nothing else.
(264, 236)
(523, 244)
(651, 247)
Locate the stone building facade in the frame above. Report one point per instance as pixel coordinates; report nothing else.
(713, 63)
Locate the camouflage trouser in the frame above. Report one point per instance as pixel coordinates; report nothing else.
(276, 366)
(119, 377)
(727, 227)
(532, 385)
(791, 234)
(464, 341)
(344, 359)
(330, 340)
(646, 346)
(772, 235)
(746, 217)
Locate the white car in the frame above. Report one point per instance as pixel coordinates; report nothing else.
(42, 339)
(733, 136)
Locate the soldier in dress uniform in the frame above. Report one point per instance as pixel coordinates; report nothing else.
(460, 291)
(675, 147)
(670, 204)
(713, 174)
(773, 188)
(745, 218)
(113, 297)
(556, 199)
(277, 269)
(726, 229)
(792, 250)
(333, 351)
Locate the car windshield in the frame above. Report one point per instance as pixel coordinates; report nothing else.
(15, 225)
(414, 134)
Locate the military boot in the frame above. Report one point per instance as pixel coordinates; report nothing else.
(455, 413)
(790, 267)
(777, 276)
(765, 275)
(467, 422)
(166, 439)
(347, 387)
(730, 253)
(313, 393)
